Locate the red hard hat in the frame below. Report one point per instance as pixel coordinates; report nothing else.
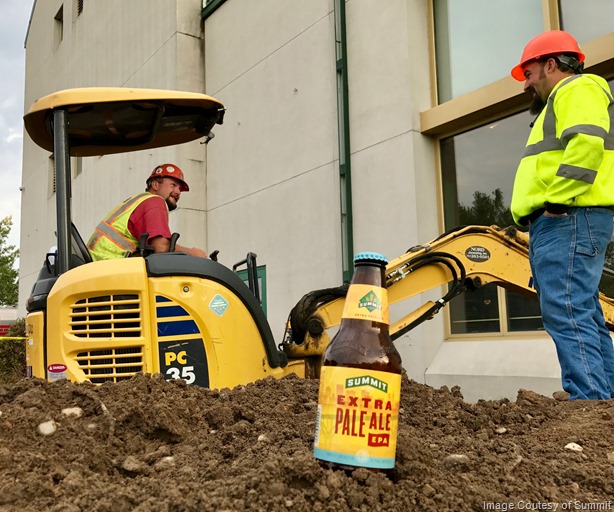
(169, 171)
(552, 42)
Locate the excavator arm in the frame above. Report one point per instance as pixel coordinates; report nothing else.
(464, 258)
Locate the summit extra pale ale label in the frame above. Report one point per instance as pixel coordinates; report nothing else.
(358, 417)
(366, 302)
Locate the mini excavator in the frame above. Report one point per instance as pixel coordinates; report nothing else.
(193, 318)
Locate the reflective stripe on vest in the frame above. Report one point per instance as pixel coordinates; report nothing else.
(107, 231)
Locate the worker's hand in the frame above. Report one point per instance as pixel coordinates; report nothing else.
(195, 251)
(192, 251)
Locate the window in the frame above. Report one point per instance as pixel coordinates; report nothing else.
(607, 279)
(474, 47)
(261, 274)
(59, 26)
(587, 20)
(478, 169)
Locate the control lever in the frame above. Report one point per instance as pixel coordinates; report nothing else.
(213, 255)
(173, 243)
(142, 249)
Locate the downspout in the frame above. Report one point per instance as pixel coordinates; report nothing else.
(343, 130)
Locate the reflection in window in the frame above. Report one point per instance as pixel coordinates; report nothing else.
(474, 48)
(478, 169)
(587, 20)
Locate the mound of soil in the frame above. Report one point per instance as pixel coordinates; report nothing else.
(151, 445)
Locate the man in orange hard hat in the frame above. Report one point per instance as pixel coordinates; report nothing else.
(121, 229)
(564, 191)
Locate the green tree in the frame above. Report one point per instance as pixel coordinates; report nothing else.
(9, 288)
(486, 210)
(13, 353)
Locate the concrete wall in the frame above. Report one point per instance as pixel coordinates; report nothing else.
(272, 172)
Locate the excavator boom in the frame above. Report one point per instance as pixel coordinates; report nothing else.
(463, 258)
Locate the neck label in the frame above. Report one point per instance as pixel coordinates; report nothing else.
(367, 302)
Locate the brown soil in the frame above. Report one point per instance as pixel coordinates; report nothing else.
(151, 445)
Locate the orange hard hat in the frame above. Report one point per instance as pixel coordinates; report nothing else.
(169, 171)
(553, 42)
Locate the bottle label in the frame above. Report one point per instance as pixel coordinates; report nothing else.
(358, 417)
(367, 302)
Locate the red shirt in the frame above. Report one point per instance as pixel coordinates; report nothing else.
(151, 216)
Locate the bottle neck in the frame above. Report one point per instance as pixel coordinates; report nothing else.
(370, 273)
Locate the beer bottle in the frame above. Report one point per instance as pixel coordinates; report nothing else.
(360, 378)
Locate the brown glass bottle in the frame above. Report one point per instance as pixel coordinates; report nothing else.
(360, 380)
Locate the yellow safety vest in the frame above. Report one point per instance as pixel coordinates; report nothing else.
(569, 157)
(112, 238)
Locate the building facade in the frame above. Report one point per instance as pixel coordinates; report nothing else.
(350, 126)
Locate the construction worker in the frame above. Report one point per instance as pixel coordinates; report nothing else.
(564, 191)
(120, 231)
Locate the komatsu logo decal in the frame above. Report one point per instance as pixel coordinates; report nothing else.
(218, 305)
(370, 301)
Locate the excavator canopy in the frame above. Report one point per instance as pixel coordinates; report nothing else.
(107, 120)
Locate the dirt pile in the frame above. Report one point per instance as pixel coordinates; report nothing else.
(151, 445)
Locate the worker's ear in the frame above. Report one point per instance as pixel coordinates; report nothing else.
(550, 65)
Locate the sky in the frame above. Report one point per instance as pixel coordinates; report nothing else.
(13, 28)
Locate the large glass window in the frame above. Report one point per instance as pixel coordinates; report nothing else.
(474, 47)
(477, 42)
(588, 19)
(478, 169)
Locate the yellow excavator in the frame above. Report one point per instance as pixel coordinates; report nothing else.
(192, 318)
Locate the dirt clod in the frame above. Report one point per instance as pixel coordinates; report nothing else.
(156, 446)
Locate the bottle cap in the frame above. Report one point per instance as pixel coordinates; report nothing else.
(370, 256)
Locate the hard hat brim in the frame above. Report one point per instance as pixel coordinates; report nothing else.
(518, 72)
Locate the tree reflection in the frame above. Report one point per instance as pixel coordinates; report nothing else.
(486, 210)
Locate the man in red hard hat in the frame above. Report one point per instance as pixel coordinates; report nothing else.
(564, 192)
(120, 231)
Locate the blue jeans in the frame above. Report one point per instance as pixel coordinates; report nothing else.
(567, 254)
